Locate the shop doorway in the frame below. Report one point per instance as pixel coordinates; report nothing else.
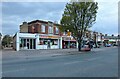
(68, 44)
(48, 45)
(27, 43)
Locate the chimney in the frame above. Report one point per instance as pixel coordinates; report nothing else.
(105, 34)
(112, 35)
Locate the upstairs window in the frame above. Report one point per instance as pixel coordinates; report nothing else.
(50, 30)
(57, 30)
(42, 28)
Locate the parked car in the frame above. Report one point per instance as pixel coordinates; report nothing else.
(115, 45)
(108, 45)
(85, 48)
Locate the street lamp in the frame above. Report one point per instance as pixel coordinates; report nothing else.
(69, 39)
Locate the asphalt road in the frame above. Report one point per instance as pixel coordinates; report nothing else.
(102, 63)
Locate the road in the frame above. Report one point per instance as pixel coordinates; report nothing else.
(103, 63)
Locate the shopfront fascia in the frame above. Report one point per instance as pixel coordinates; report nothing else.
(49, 42)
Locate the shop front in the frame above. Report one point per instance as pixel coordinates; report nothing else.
(27, 43)
(49, 42)
(24, 41)
(68, 42)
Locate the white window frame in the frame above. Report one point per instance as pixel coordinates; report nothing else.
(50, 30)
(56, 30)
(43, 28)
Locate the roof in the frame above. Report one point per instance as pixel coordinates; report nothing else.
(112, 37)
(0, 34)
(37, 21)
(41, 21)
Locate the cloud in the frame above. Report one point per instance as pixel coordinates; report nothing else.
(0, 17)
(107, 18)
(9, 28)
(35, 0)
(14, 13)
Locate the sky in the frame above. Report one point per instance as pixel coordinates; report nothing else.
(14, 13)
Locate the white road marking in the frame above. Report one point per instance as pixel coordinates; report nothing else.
(91, 59)
(13, 71)
(73, 62)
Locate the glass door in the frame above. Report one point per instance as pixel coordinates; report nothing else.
(27, 43)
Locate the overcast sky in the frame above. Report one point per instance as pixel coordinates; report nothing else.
(14, 13)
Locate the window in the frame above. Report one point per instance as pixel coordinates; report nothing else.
(50, 29)
(41, 41)
(42, 28)
(57, 30)
(54, 42)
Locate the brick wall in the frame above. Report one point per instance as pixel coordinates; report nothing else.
(36, 28)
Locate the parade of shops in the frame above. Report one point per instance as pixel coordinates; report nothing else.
(40, 34)
(25, 41)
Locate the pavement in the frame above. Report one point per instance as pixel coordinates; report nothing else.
(9, 55)
(100, 62)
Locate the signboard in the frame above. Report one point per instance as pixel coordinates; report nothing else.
(68, 39)
(49, 36)
(68, 33)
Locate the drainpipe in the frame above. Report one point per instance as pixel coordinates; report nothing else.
(17, 42)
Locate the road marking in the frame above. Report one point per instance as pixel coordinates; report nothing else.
(91, 59)
(13, 71)
(72, 62)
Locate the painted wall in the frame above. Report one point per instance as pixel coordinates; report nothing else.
(36, 36)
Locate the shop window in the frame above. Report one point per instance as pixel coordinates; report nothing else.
(54, 42)
(41, 42)
(45, 42)
(42, 28)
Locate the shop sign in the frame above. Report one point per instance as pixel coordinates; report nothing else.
(68, 39)
(68, 33)
(49, 37)
(43, 36)
(53, 37)
(65, 38)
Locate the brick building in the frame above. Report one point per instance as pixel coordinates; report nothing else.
(40, 34)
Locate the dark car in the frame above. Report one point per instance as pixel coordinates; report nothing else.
(115, 45)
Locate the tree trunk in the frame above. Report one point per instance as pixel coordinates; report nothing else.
(79, 44)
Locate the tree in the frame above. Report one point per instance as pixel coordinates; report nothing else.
(7, 39)
(78, 17)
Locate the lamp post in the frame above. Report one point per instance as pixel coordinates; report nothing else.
(69, 39)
